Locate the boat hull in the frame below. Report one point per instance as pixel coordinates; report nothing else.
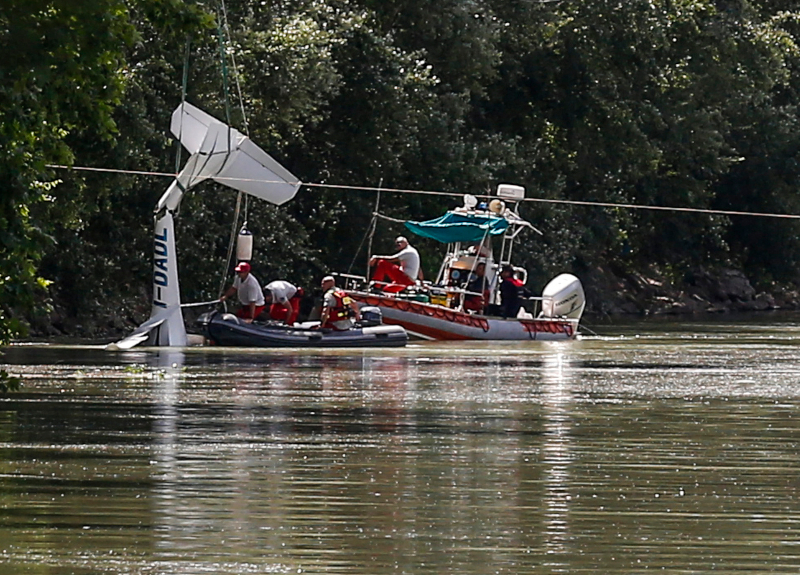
(440, 323)
(226, 330)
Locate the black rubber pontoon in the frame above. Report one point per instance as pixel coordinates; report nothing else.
(227, 330)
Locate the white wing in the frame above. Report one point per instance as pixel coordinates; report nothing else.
(255, 172)
(142, 332)
(190, 124)
(229, 157)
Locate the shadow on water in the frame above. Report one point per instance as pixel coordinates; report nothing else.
(658, 447)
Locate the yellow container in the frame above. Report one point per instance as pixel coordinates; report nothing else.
(439, 299)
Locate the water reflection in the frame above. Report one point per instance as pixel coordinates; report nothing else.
(557, 404)
(166, 477)
(656, 451)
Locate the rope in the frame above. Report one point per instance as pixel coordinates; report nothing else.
(195, 304)
(183, 101)
(235, 74)
(223, 22)
(451, 194)
(223, 64)
(373, 227)
(227, 28)
(358, 250)
(388, 218)
(230, 243)
(369, 234)
(113, 170)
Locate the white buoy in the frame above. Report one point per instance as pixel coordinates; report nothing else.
(244, 245)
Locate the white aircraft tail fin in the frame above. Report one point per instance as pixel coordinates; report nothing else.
(227, 156)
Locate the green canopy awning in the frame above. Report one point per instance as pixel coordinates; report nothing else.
(456, 227)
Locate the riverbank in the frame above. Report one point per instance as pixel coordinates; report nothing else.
(609, 293)
(618, 293)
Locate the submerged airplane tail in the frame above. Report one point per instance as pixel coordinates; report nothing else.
(225, 155)
(166, 292)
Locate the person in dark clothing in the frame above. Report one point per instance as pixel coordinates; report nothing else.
(511, 293)
(477, 284)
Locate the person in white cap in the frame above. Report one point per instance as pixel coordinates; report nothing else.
(339, 311)
(249, 292)
(401, 268)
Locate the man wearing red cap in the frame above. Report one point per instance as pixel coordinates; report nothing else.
(249, 291)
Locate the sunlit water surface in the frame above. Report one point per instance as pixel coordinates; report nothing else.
(649, 447)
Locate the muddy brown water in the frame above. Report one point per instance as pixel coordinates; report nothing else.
(650, 447)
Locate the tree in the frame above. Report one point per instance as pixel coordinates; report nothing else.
(689, 103)
(61, 73)
(108, 248)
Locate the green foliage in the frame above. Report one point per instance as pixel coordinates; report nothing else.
(110, 242)
(9, 383)
(61, 73)
(687, 103)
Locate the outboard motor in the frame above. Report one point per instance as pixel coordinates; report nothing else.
(371, 316)
(563, 297)
(205, 318)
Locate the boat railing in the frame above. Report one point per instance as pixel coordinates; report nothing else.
(533, 305)
(349, 281)
(452, 297)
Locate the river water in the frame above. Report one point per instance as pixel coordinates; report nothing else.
(648, 447)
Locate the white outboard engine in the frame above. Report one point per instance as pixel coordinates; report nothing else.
(371, 316)
(563, 297)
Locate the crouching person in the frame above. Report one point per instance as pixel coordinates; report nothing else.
(283, 299)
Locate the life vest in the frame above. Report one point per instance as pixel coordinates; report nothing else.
(342, 310)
